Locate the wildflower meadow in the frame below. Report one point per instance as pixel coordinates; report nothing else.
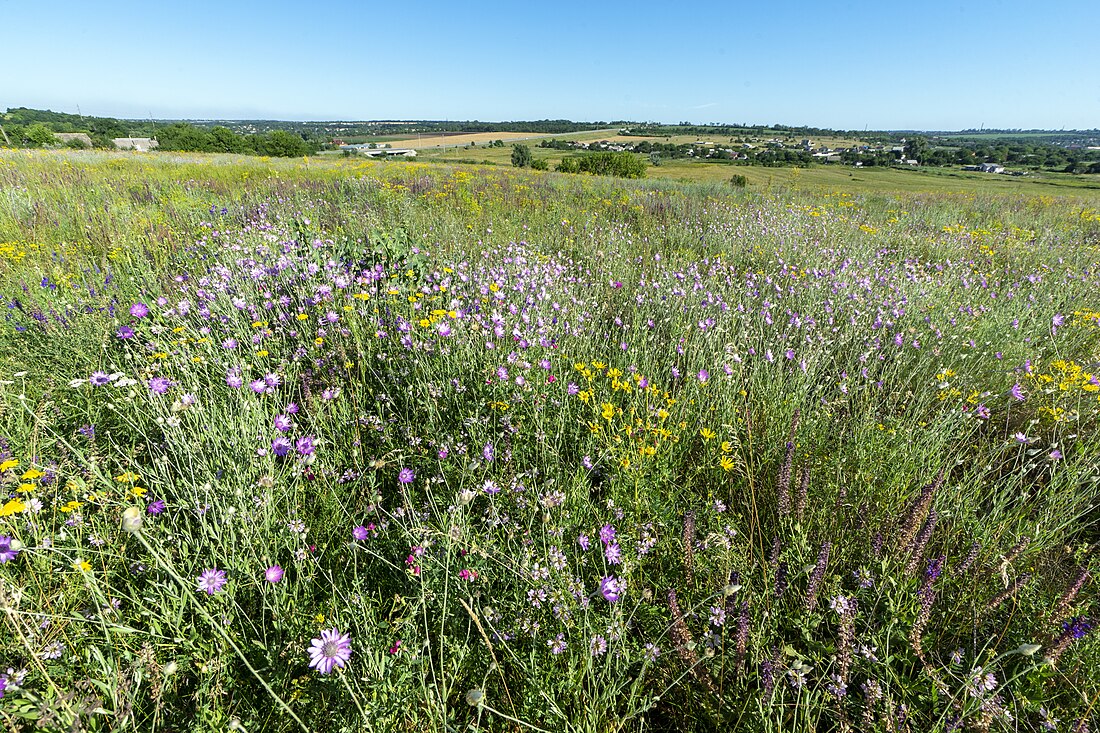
(343, 446)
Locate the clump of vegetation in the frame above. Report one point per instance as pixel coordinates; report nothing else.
(383, 445)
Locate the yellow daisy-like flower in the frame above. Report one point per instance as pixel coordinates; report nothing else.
(82, 565)
(12, 507)
(9, 464)
(32, 473)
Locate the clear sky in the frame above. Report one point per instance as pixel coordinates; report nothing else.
(848, 65)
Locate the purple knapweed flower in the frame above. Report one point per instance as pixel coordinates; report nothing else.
(331, 649)
(7, 553)
(406, 476)
(211, 581)
(611, 588)
(304, 445)
(159, 385)
(273, 574)
(139, 310)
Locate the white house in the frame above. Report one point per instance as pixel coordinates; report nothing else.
(991, 168)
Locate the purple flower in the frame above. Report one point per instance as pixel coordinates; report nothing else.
(1018, 392)
(1058, 320)
(159, 385)
(233, 379)
(1077, 627)
(139, 310)
(607, 534)
(292, 408)
(258, 386)
(703, 376)
(211, 581)
(304, 445)
(611, 588)
(331, 649)
(487, 452)
(613, 554)
(406, 476)
(273, 574)
(7, 554)
(156, 507)
(360, 533)
(584, 542)
(1056, 455)
(125, 333)
(280, 446)
(283, 423)
(98, 379)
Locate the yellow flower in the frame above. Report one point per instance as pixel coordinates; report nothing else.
(707, 433)
(138, 491)
(726, 446)
(319, 618)
(607, 411)
(12, 507)
(318, 341)
(726, 463)
(24, 488)
(127, 476)
(82, 565)
(72, 506)
(9, 464)
(32, 473)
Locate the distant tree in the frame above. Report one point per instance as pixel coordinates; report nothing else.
(521, 155)
(225, 140)
(281, 144)
(38, 135)
(655, 159)
(739, 181)
(539, 164)
(916, 148)
(569, 165)
(184, 136)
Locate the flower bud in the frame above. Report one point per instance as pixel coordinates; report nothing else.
(131, 519)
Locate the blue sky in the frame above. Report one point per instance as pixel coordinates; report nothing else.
(848, 65)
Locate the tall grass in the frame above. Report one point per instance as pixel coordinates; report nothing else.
(556, 453)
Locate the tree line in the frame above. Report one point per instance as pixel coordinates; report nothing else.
(31, 128)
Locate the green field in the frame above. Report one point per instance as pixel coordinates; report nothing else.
(340, 445)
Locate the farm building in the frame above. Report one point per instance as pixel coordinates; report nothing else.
(141, 144)
(67, 137)
(991, 168)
